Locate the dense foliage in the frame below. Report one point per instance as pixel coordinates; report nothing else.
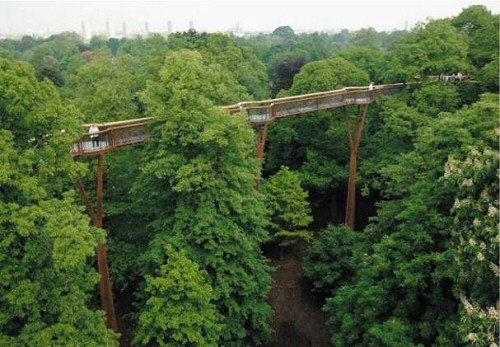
(47, 245)
(202, 169)
(179, 310)
(288, 208)
(184, 223)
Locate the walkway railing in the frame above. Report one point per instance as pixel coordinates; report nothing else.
(113, 135)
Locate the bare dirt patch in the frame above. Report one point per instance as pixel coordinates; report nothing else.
(299, 320)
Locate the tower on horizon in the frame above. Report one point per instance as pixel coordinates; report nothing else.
(86, 34)
(126, 33)
(169, 27)
(110, 31)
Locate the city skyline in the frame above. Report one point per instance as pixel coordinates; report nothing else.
(22, 18)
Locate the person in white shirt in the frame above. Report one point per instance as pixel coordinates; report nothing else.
(94, 136)
(370, 89)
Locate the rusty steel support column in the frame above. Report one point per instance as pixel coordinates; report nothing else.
(102, 258)
(354, 140)
(261, 144)
(86, 199)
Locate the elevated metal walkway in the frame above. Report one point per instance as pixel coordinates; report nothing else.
(266, 111)
(111, 136)
(129, 132)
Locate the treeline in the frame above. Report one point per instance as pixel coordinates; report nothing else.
(184, 224)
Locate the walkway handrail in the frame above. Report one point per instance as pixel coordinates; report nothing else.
(120, 122)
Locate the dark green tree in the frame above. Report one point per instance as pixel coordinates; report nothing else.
(320, 156)
(284, 32)
(331, 262)
(482, 30)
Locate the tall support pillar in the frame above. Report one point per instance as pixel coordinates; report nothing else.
(354, 140)
(102, 258)
(261, 144)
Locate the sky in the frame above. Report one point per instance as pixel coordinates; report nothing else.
(24, 17)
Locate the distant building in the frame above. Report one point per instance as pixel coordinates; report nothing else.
(110, 31)
(146, 29)
(86, 34)
(126, 32)
(169, 27)
(191, 25)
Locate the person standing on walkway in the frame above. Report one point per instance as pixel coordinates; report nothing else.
(370, 89)
(94, 135)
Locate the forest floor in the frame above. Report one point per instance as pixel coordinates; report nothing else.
(299, 320)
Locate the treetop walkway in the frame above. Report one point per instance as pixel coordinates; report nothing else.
(129, 132)
(266, 111)
(111, 136)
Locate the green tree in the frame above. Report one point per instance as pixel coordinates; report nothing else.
(179, 310)
(331, 262)
(320, 157)
(149, 52)
(481, 27)
(475, 234)
(47, 246)
(197, 188)
(98, 42)
(408, 272)
(285, 32)
(430, 49)
(371, 60)
(434, 98)
(366, 37)
(326, 75)
(8, 50)
(222, 50)
(482, 30)
(185, 73)
(106, 88)
(288, 207)
(390, 41)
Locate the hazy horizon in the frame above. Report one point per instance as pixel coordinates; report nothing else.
(38, 17)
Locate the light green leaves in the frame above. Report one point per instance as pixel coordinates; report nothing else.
(180, 309)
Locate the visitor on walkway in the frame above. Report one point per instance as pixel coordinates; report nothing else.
(94, 135)
(370, 88)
